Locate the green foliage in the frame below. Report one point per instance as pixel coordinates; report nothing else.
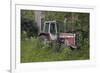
(32, 50)
(28, 23)
(27, 14)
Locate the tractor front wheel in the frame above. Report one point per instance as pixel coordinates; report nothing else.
(43, 39)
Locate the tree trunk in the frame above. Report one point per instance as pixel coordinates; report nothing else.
(38, 19)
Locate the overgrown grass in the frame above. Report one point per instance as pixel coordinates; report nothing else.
(32, 50)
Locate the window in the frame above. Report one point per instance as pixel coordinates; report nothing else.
(46, 28)
(52, 28)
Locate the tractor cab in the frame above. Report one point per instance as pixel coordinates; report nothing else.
(50, 28)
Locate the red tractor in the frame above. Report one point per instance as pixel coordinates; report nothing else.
(51, 34)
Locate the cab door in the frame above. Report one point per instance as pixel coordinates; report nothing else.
(53, 30)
